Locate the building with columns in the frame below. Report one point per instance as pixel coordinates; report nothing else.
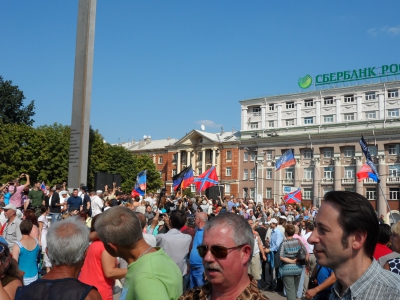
(198, 148)
(324, 128)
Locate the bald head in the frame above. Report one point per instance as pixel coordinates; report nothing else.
(296, 229)
(201, 219)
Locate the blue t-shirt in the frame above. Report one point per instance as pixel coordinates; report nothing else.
(74, 203)
(323, 274)
(7, 198)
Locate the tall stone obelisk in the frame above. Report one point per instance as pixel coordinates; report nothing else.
(80, 123)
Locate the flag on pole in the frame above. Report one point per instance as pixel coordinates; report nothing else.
(183, 179)
(293, 198)
(43, 187)
(286, 160)
(137, 191)
(207, 179)
(366, 172)
(368, 157)
(141, 180)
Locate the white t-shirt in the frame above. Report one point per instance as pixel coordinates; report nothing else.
(150, 239)
(97, 205)
(45, 222)
(306, 236)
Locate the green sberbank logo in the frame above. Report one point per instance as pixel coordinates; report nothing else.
(305, 82)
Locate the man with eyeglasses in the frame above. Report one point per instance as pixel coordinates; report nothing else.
(226, 251)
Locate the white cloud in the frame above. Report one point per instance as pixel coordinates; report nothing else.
(208, 123)
(372, 32)
(395, 30)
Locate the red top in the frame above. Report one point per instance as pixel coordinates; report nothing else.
(92, 271)
(381, 250)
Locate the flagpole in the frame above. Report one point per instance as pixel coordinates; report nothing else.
(387, 203)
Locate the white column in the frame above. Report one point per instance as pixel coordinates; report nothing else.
(279, 109)
(203, 161)
(178, 163)
(263, 125)
(244, 118)
(359, 184)
(338, 175)
(359, 107)
(316, 180)
(188, 158)
(298, 113)
(381, 101)
(317, 111)
(338, 116)
(213, 157)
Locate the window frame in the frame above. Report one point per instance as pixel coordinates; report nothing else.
(289, 105)
(228, 155)
(291, 121)
(245, 174)
(349, 117)
(308, 120)
(330, 117)
(328, 101)
(309, 103)
(228, 170)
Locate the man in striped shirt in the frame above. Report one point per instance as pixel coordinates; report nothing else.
(344, 240)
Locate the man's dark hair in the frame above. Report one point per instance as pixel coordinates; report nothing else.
(178, 219)
(75, 190)
(384, 234)
(355, 214)
(142, 219)
(26, 227)
(37, 181)
(310, 226)
(58, 186)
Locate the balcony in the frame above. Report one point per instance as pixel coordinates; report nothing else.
(255, 114)
(288, 181)
(369, 181)
(393, 180)
(327, 181)
(348, 181)
(307, 181)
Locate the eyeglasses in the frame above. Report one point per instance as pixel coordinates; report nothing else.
(216, 251)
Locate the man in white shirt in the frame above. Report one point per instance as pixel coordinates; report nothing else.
(150, 199)
(96, 203)
(311, 260)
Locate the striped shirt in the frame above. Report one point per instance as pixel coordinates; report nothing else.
(375, 283)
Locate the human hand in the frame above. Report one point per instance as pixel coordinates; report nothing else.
(311, 293)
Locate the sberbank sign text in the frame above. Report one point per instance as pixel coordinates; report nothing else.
(351, 75)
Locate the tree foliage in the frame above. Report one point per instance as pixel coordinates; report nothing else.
(43, 153)
(12, 109)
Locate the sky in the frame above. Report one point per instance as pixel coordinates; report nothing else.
(165, 67)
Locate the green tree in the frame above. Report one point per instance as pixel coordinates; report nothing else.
(12, 109)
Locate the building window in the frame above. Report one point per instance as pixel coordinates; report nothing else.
(290, 122)
(245, 156)
(394, 171)
(228, 171)
(200, 170)
(256, 109)
(308, 103)
(370, 96)
(326, 190)
(307, 154)
(308, 173)
(370, 115)
(252, 156)
(271, 124)
(173, 172)
(252, 174)
(349, 172)
(393, 194)
(328, 101)
(254, 125)
(328, 172)
(228, 155)
(289, 105)
(350, 189)
(245, 174)
(271, 107)
(307, 194)
(328, 153)
(227, 188)
(393, 113)
(160, 172)
(348, 152)
(328, 119)
(373, 150)
(392, 150)
(200, 140)
(193, 188)
(252, 193)
(371, 194)
(269, 193)
(349, 117)
(393, 93)
(308, 120)
(199, 155)
(269, 174)
(348, 98)
(269, 155)
(160, 159)
(289, 174)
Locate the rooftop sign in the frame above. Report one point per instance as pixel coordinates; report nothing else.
(350, 75)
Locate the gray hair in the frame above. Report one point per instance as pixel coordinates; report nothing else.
(119, 226)
(67, 241)
(242, 232)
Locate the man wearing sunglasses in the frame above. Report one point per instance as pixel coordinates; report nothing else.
(226, 251)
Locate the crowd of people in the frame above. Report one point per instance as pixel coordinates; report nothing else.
(58, 244)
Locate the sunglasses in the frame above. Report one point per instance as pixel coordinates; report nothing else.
(216, 251)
